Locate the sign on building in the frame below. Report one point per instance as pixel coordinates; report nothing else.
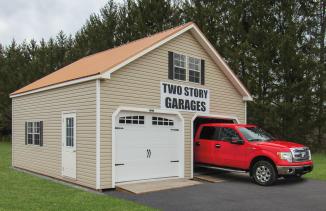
(184, 98)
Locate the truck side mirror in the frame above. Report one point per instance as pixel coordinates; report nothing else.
(237, 141)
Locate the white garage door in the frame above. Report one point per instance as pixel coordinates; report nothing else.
(147, 146)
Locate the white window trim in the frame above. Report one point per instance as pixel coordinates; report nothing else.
(199, 70)
(33, 133)
(132, 119)
(73, 131)
(174, 65)
(163, 121)
(187, 69)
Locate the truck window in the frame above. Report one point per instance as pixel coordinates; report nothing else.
(228, 134)
(210, 133)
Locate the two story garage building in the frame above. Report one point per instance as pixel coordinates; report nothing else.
(127, 113)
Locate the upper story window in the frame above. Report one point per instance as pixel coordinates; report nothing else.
(186, 68)
(179, 62)
(34, 133)
(194, 69)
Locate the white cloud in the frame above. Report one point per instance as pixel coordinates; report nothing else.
(36, 19)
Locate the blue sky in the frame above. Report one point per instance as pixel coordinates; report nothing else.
(27, 19)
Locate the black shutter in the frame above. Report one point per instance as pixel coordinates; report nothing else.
(202, 72)
(41, 133)
(25, 133)
(170, 74)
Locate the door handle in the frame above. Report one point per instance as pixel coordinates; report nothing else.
(197, 143)
(217, 146)
(149, 153)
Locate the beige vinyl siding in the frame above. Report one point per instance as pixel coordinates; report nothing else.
(48, 106)
(138, 85)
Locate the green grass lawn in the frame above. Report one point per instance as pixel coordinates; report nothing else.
(21, 191)
(319, 171)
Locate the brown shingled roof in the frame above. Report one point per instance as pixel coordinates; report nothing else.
(100, 62)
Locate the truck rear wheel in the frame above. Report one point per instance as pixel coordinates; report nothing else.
(264, 173)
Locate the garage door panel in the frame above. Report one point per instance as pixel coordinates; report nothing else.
(147, 150)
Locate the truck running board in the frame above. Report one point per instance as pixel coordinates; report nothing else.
(219, 168)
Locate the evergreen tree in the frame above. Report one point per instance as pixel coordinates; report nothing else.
(277, 48)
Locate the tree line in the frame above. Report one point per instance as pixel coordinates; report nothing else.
(277, 49)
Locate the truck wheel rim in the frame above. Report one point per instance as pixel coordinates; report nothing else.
(263, 174)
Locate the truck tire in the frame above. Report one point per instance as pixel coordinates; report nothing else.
(264, 173)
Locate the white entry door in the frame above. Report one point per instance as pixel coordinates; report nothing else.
(69, 145)
(148, 146)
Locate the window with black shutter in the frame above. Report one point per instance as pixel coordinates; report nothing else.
(194, 69)
(186, 68)
(34, 133)
(202, 72)
(179, 67)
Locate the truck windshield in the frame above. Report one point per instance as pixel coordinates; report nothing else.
(255, 134)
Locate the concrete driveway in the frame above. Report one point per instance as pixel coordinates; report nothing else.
(237, 192)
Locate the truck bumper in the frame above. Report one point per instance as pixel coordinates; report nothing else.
(294, 170)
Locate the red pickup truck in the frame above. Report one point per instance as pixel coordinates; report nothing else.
(243, 147)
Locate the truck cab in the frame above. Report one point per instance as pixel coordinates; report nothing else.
(244, 147)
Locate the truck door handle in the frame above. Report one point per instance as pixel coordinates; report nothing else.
(197, 143)
(217, 146)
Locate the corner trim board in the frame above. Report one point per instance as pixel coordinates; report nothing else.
(98, 134)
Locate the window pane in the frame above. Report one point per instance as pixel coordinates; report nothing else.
(194, 76)
(72, 137)
(210, 133)
(30, 127)
(36, 128)
(69, 132)
(194, 69)
(180, 73)
(177, 63)
(228, 133)
(162, 121)
(37, 139)
(191, 60)
(30, 138)
(132, 120)
(176, 56)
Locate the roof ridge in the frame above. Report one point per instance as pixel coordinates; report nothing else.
(157, 33)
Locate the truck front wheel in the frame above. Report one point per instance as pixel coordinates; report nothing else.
(264, 173)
